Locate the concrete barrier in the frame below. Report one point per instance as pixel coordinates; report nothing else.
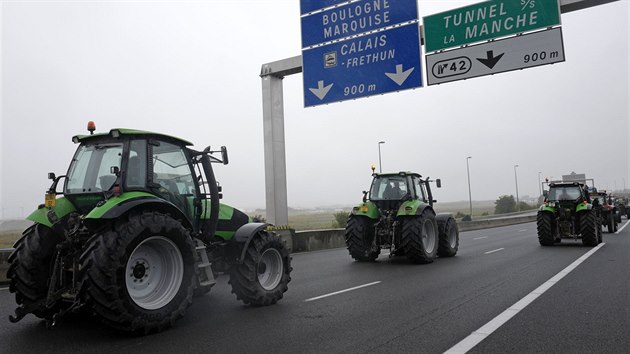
(314, 240)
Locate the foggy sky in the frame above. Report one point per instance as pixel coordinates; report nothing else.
(191, 69)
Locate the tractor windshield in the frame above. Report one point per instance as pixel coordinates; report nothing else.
(388, 188)
(91, 168)
(565, 193)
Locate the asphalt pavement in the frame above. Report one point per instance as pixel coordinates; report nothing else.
(336, 305)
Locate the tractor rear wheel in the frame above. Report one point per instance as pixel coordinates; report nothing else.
(545, 226)
(30, 267)
(449, 237)
(359, 239)
(139, 274)
(588, 228)
(420, 237)
(263, 276)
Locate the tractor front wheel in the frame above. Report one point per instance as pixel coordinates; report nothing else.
(263, 276)
(449, 237)
(30, 267)
(610, 223)
(420, 237)
(139, 275)
(359, 239)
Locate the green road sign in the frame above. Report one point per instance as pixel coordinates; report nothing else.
(487, 20)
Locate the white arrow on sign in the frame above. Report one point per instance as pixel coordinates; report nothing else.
(399, 76)
(321, 90)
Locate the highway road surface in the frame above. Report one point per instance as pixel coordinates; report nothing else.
(503, 292)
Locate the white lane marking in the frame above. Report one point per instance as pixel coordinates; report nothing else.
(7, 288)
(623, 227)
(497, 250)
(342, 291)
(479, 238)
(522, 230)
(484, 331)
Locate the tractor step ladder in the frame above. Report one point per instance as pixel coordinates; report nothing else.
(206, 277)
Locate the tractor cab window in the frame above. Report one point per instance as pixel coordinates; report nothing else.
(420, 188)
(91, 168)
(173, 174)
(136, 171)
(388, 188)
(565, 193)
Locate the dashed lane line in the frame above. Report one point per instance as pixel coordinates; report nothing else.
(484, 331)
(479, 238)
(497, 250)
(342, 291)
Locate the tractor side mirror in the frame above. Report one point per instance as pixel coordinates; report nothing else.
(438, 183)
(51, 175)
(545, 193)
(224, 155)
(115, 170)
(365, 196)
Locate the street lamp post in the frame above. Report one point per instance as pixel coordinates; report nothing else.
(539, 185)
(469, 193)
(516, 182)
(380, 167)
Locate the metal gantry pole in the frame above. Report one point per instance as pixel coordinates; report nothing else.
(380, 166)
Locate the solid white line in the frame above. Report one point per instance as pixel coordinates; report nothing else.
(342, 291)
(623, 227)
(497, 250)
(484, 331)
(479, 238)
(4, 288)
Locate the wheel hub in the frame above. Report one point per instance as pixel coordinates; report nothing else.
(139, 270)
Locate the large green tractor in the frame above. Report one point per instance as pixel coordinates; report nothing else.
(137, 233)
(567, 213)
(397, 214)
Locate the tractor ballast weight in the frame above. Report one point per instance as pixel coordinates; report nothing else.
(138, 232)
(397, 214)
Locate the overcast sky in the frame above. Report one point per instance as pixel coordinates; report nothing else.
(191, 69)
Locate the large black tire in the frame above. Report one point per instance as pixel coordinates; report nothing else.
(139, 274)
(265, 273)
(588, 228)
(359, 238)
(617, 218)
(420, 237)
(545, 226)
(30, 267)
(449, 236)
(610, 223)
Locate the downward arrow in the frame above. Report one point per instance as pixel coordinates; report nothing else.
(321, 90)
(491, 60)
(399, 76)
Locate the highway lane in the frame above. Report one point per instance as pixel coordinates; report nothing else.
(403, 308)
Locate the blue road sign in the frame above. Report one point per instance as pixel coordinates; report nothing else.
(307, 6)
(355, 18)
(368, 65)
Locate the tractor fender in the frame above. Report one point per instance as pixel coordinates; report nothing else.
(582, 207)
(413, 207)
(368, 209)
(244, 236)
(118, 206)
(442, 218)
(51, 216)
(547, 208)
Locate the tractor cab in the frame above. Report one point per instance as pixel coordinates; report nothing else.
(389, 190)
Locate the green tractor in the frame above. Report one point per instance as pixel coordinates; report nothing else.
(397, 214)
(567, 213)
(138, 232)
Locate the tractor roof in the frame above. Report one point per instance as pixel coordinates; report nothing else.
(117, 132)
(564, 184)
(401, 173)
